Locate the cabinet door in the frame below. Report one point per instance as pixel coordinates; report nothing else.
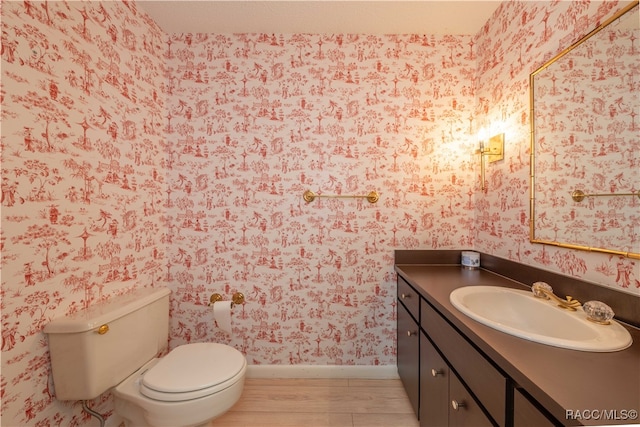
(526, 414)
(487, 384)
(409, 356)
(434, 386)
(463, 409)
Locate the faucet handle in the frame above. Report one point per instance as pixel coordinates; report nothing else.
(539, 288)
(598, 312)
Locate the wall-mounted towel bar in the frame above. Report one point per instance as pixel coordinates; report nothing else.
(579, 195)
(310, 196)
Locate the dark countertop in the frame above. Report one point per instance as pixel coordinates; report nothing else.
(559, 379)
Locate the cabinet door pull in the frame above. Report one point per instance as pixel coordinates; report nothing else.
(457, 405)
(436, 372)
(406, 296)
(410, 333)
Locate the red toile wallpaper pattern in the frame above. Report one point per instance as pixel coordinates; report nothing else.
(84, 180)
(254, 122)
(135, 158)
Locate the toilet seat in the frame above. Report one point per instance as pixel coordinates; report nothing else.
(192, 371)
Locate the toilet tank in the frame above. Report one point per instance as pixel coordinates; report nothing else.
(95, 349)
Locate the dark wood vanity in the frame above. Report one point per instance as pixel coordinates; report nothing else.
(459, 372)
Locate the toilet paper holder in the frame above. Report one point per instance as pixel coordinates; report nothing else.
(236, 299)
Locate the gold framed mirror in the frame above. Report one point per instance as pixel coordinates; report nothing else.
(585, 142)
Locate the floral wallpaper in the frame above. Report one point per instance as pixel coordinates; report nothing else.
(135, 158)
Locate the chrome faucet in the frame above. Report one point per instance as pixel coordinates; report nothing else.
(543, 290)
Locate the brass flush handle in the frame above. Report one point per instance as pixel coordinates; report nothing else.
(103, 329)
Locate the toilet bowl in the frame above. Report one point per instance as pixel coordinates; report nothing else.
(190, 386)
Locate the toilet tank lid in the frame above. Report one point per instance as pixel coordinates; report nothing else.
(105, 312)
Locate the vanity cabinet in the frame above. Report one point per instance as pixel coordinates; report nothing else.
(436, 393)
(408, 342)
(500, 379)
(449, 381)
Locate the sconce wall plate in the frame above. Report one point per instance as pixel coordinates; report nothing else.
(495, 148)
(494, 151)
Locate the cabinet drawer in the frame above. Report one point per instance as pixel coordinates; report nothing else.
(409, 297)
(483, 379)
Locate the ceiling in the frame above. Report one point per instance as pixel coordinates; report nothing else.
(323, 16)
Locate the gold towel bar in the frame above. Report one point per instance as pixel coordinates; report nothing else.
(310, 196)
(579, 195)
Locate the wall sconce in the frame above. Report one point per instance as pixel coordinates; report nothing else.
(494, 150)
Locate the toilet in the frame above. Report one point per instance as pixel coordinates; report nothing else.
(114, 346)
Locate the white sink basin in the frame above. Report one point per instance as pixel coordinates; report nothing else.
(519, 313)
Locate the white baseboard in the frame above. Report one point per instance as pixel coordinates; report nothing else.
(379, 372)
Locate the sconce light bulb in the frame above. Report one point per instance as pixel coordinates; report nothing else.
(482, 134)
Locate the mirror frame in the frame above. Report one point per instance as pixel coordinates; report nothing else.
(532, 234)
